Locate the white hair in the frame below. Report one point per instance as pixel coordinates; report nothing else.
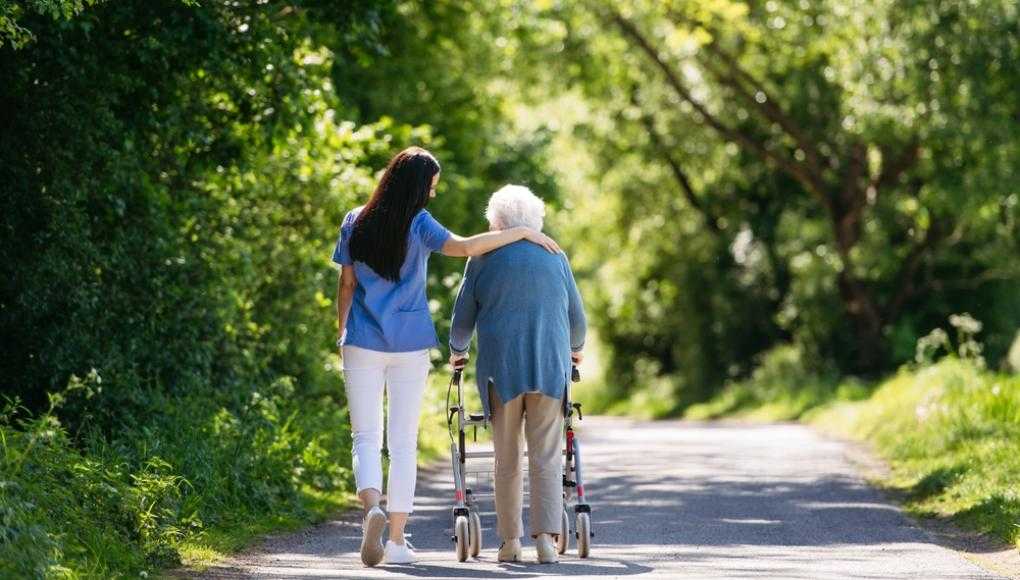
(514, 205)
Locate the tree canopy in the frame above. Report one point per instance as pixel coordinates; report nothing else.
(838, 175)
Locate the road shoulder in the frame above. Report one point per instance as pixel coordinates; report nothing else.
(989, 553)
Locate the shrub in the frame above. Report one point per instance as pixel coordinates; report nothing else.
(786, 384)
(108, 506)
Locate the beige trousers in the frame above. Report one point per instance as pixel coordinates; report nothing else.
(542, 419)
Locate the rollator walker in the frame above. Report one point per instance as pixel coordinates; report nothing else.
(467, 523)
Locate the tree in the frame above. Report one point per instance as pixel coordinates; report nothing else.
(850, 167)
(881, 138)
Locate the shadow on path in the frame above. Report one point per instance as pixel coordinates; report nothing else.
(669, 500)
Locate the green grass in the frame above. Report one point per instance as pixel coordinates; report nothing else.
(194, 478)
(950, 432)
(235, 533)
(652, 400)
(184, 480)
(650, 397)
(780, 389)
(314, 505)
(741, 401)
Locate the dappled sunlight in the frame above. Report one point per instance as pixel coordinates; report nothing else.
(674, 510)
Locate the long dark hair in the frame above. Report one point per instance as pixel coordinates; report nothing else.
(379, 238)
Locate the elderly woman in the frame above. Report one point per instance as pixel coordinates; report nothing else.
(531, 326)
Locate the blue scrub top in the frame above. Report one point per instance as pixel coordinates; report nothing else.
(392, 316)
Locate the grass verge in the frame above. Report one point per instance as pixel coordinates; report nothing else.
(195, 479)
(951, 434)
(182, 480)
(313, 505)
(237, 532)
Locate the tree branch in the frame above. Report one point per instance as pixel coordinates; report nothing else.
(747, 87)
(893, 169)
(678, 172)
(738, 77)
(796, 170)
(905, 288)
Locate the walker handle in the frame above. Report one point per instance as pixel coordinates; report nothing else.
(575, 375)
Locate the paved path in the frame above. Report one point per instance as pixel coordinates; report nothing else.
(670, 500)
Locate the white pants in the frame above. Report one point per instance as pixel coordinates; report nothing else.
(403, 374)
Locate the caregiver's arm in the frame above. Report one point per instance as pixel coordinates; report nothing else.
(479, 244)
(465, 310)
(344, 296)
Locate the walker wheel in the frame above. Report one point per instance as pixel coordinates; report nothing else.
(564, 540)
(460, 535)
(475, 535)
(583, 535)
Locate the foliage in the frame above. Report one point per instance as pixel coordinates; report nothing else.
(106, 507)
(174, 174)
(760, 195)
(784, 386)
(11, 11)
(445, 64)
(123, 250)
(834, 175)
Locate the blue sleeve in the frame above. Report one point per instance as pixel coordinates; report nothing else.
(342, 251)
(462, 327)
(575, 312)
(432, 233)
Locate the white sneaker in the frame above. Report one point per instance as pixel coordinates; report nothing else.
(510, 551)
(399, 553)
(371, 536)
(545, 549)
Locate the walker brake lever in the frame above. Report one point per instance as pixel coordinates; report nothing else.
(577, 407)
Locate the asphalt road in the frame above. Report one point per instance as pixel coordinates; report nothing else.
(670, 500)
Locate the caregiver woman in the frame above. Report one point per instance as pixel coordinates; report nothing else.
(386, 332)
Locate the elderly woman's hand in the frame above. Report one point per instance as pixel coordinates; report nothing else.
(541, 239)
(458, 360)
(576, 357)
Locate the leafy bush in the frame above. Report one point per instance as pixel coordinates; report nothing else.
(106, 507)
(786, 384)
(168, 211)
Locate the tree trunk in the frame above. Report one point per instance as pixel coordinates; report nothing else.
(867, 322)
(847, 216)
